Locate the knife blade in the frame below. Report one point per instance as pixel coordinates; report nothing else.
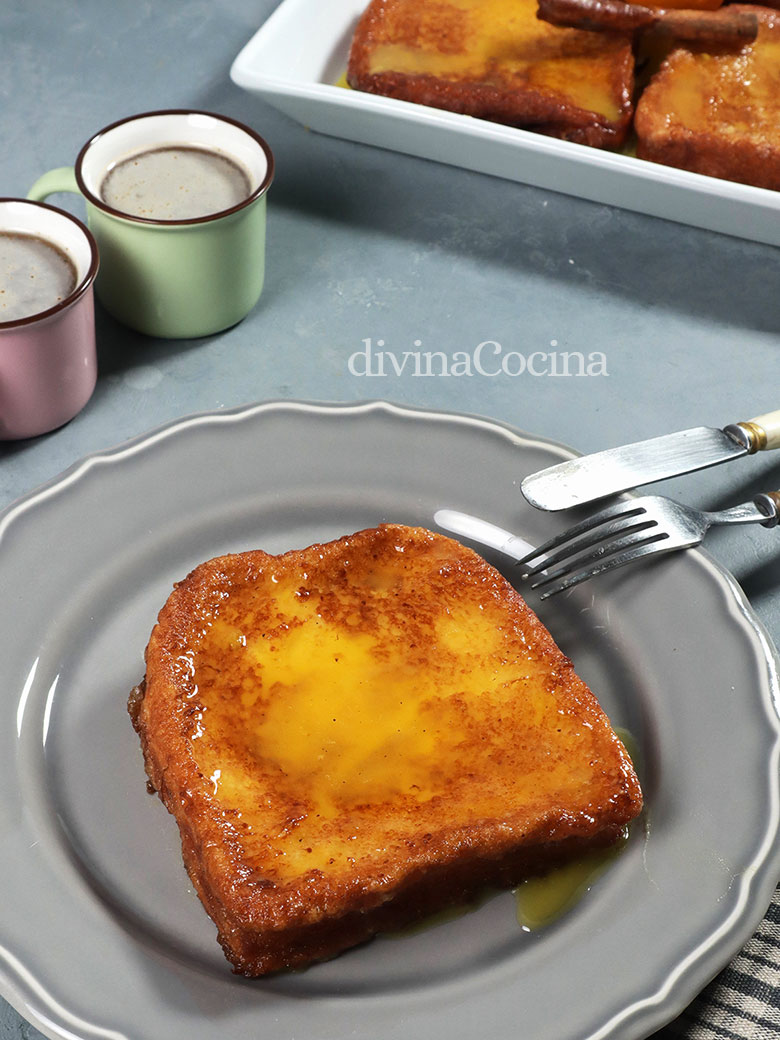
(591, 477)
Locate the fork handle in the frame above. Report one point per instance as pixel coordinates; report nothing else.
(769, 502)
(763, 509)
(760, 434)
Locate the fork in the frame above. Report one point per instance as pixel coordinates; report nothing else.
(630, 530)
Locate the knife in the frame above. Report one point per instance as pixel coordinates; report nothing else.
(483, 532)
(592, 477)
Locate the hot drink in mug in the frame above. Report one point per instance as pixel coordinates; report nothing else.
(175, 184)
(35, 275)
(48, 362)
(176, 201)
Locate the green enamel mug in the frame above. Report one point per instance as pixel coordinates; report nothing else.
(174, 276)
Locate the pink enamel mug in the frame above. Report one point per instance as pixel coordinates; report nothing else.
(48, 361)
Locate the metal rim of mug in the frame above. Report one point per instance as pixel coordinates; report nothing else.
(256, 194)
(81, 287)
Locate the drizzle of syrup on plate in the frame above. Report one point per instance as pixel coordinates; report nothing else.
(542, 900)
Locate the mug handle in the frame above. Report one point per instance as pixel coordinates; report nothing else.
(61, 179)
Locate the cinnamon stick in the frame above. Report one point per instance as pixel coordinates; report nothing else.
(723, 26)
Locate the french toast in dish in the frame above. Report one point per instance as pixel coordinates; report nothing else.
(718, 112)
(355, 735)
(495, 60)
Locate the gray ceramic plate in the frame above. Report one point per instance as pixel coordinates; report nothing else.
(101, 935)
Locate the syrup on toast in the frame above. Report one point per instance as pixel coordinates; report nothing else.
(718, 113)
(495, 60)
(355, 735)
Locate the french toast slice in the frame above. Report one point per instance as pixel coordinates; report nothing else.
(718, 113)
(495, 60)
(355, 735)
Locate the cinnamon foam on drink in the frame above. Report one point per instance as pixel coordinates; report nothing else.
(35, 275)
(175, 183)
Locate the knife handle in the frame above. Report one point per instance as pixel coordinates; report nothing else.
(759, 434)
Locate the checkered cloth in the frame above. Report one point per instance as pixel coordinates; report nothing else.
(743, 1002)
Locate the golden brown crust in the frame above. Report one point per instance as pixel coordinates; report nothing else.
(295, 861)
(531, 76)
(717, 113)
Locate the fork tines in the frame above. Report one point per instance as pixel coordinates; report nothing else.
(620, 534)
